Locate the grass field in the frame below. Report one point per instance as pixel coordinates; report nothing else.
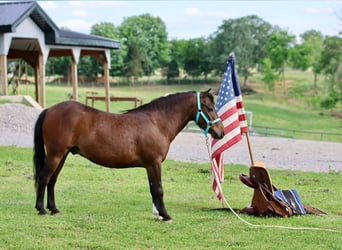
(111, 209)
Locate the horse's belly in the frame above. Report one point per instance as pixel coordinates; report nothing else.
(119, 148)
(112, 157)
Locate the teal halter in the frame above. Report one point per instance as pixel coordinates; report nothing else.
(200, 113)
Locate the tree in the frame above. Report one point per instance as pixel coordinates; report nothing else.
(109, 30)
(193, 52)
(89, 67)
(171, 70)
(192, 55)
(269, 77)
(278, 48)
(331, 60)
(246, 37)
(144, 36)
(132, 61)
(308, 53)
(177, 48)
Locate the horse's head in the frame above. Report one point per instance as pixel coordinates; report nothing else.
(207, 118)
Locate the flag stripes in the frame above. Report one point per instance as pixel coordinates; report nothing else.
(230, 109)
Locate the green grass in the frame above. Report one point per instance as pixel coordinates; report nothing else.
(111, 209)
(295, 121)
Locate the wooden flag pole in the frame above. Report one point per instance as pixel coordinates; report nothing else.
(250, 148)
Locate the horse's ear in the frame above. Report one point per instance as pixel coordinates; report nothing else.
(210, 95)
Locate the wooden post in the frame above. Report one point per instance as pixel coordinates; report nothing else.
(41, 80)
(74, 79)
(250, 149)
(36, 82)
(26, 78)
(3, 74)
(17, 90)
(107, 85)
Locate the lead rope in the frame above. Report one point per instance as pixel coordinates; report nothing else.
(251, 224)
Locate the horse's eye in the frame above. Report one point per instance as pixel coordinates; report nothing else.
(208, 108)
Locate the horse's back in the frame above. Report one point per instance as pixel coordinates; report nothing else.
(70, 107)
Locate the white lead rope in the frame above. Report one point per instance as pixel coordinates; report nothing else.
(256, 225)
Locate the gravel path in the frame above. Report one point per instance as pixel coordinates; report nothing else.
(276, 153)
(17, 122)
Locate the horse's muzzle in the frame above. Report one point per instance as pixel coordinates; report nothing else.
(216, 134)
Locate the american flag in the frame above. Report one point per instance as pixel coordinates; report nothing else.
(230, 108)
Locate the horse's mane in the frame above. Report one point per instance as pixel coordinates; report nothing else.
(166, 101)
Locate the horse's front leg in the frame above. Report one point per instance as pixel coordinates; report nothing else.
(156, 189)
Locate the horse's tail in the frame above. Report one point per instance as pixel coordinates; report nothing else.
(39, 149)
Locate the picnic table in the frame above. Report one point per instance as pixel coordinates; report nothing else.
(94, 97)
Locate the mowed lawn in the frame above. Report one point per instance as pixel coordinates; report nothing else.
(111, 209)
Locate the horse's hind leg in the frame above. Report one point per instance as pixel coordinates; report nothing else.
(40, 198)
(50, 167)
(51, 205)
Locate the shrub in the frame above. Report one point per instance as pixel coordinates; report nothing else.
(331, 101)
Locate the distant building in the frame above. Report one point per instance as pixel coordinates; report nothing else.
(28, 33)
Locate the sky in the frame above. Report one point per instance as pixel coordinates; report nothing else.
(195, 19)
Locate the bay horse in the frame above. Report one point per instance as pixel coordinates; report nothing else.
(139, 137)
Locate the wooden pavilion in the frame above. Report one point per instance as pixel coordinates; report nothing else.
(27, 33)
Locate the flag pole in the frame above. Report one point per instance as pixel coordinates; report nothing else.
(250, 148)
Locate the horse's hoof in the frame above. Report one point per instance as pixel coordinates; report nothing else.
(42, 212)
(169, 221)
(54, 212)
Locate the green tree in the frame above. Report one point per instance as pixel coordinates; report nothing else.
(58, 66)
(89, 67)
(269, 76)
(107, 29)
(278, 48)
(331, 60)
(177, 48)
(307, 54)
(144, 36)
(171, 70)
(132, 61)
(246, 37)
(195, 62)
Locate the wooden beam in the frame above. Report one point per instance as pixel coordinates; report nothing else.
(41, 80)
(3, 75)
(60, 52)
(106, 84)
(74, 80)
(36, 83)
(30, 58)
(99, 55)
